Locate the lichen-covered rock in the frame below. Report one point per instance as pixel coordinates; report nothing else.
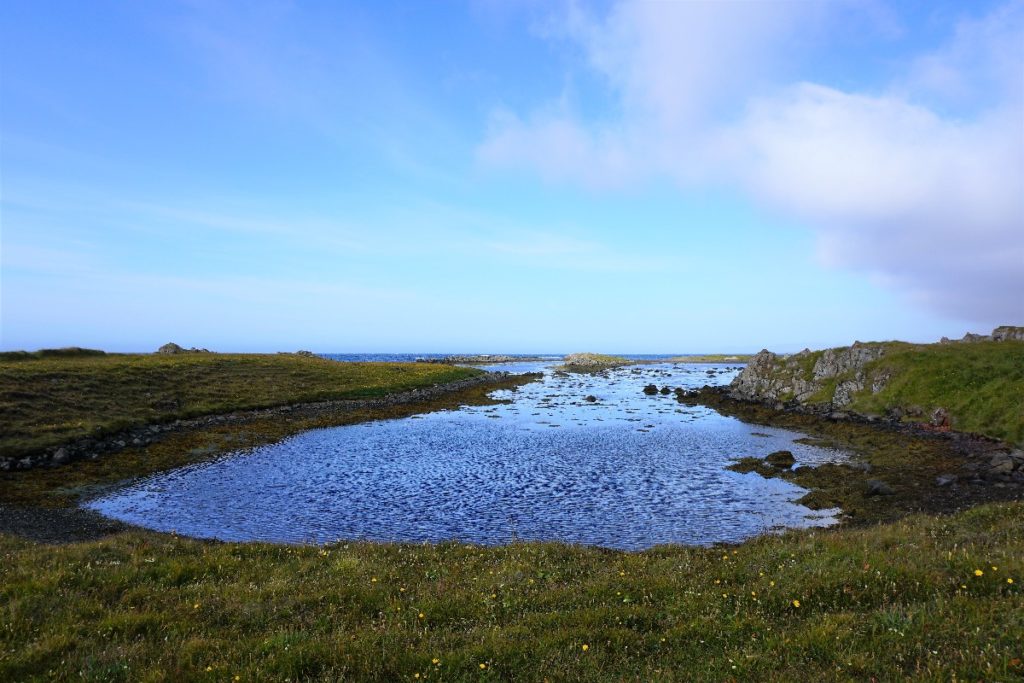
(832, 376)
(1008, 333)
(170, 347)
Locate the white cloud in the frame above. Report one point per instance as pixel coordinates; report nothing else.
(892, 182)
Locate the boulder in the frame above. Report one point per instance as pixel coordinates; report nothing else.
(780, 459)
(876, 487)
(651, 389)
(170, 347)
(590, 399)
(940, 418)
(1008, 333)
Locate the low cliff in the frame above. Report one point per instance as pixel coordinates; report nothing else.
(832, 376)
(976, 386)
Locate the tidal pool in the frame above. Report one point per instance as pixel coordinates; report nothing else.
(626, 471)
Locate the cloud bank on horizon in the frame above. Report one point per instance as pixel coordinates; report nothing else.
(918, 181)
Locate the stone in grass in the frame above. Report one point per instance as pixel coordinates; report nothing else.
(876, 487)
(780, 459)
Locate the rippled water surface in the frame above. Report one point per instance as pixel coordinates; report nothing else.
(626, 471)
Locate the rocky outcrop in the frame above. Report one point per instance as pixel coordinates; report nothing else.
(1002, 333)
(831, 377)
(1008, 333)
(170, 347)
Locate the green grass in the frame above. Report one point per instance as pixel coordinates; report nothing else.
(981, 384)
(49, 399)
(892, 602)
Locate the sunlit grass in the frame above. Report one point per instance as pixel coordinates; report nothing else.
(50, 400)
(926, 597)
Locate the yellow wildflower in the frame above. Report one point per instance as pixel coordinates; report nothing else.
(796, 603)
(1009, 580)
(482, 665)
(435, 661)
(422, 615)
(978, 572)
(585, 647)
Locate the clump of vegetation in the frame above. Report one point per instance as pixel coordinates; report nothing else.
(56, 397)
(803, 606)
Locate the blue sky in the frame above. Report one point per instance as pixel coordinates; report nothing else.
(509, 176)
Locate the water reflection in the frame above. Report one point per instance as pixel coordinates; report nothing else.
(624, 470)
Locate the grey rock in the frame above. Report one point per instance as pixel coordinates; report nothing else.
(876, 487)
(170, 347)
(61, 456)
(1008, 333)
(945, 480)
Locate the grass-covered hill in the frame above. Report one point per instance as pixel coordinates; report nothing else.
(980, 385)
(49, 398)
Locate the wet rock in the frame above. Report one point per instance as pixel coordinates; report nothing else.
(780, 459)
(590, 399)
(650, 389)
(666, 390)
(876, 487)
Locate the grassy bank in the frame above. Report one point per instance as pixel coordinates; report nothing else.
(833, 605)
(980, 384)
(64, 486)
(48, 400)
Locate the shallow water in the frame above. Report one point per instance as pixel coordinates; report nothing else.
(628, 471)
